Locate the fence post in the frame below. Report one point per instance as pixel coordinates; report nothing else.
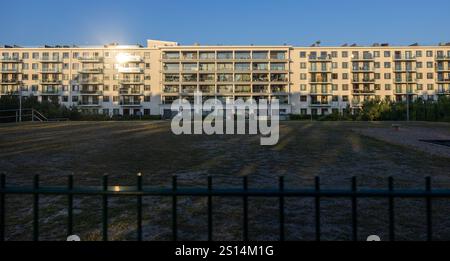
(36, 208)
(2, 207)
(32, 115)
(17, 117)
(245, 203)
(429, 210)
(317, 206)
(174, 209)
(105, 208)
(70, 206)
(391, 211)
(354, 210)
(139, 208)
(210, 217)
(281, 210)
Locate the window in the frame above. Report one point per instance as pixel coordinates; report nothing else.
(303, 98)
(65, 98)
(419, 65)
(302, 54)
(65, 55)
(334, 54)
(35, 56)
(303, 65)
(376, 65)
(345, 87)
(430, 87)
(429, 64)
(387, 65)
(345, 65)
(387, 87)
(334, 87)
(419, 87)
(147, 98)
(74, 98)
(302, 87)
(376, 54)
(430, 76)
(106, 99)
(344, 54)
(345, 76)
(147, 88)
(429, 53)
(345, 98)
(303, 76)
(418, 53)
(25, 56)
(387, 76)
(387, 54)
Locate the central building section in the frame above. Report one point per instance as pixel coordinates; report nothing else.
(226, 73)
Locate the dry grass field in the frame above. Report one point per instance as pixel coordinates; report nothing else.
(335, 151)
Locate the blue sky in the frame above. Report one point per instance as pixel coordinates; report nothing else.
(295, 22)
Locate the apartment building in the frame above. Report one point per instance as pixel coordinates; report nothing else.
(135, 80)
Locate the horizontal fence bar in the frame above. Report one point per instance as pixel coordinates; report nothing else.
(131, 191)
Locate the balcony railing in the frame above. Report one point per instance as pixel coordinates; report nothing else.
(52, 70)
(10, 82)
(91, 81)
(313, 58)
(131, 82)
(130, 103)
(10, 59)
(130, 92)
(364, 91)
(363, 58)
(443, 58)
(51, 92)
(131, 70)
(91, 71)
(10, 70)
(404, 57)
(91, 92)
(50, 81)
(363, 80)
(51, 60)
(92, 59)
(89, 103)
(320, 104)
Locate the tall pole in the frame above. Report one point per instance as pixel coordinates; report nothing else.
(20, 103)
(407, 106)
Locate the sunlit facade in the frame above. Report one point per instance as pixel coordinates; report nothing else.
(135, 80)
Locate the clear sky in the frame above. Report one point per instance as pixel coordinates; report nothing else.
(295, 22)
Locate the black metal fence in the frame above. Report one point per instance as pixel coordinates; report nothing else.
(139, 191)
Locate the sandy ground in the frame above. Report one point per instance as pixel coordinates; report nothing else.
(335, 151)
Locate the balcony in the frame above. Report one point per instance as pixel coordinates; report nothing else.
(130, 103)
(92, 59)
(93, 81)
(51, 60)
(131, 70)
(50, 92)
(403, 80)
(363, 69)
(401, 69)
(319, 59)
(442, 58)
(10, 82)
(126, 91)
(91, 92)
(10, 70)
(91, 71)
(364, 92)
(10, 60)
(368, 81)
(131, 82)
(128, 58)
(443, 80)
(89, 103)
(404, 58)
(50, 82)
(51, 70)
(364, 58)
(443, 92)
(319, 104)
